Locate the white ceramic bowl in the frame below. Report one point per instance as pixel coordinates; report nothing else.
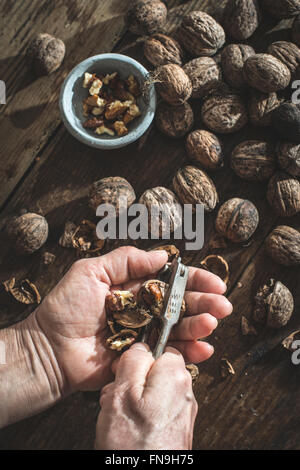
(72, 96)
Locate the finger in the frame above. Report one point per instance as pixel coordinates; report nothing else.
(127, 263)
(169, 365)
(204, 281)
(194, 351)
(104, 392)
(193, 328)
(115, 364)
(134, 365)
(217, 305)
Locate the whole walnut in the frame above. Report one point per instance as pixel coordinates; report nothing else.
(253, 160)
(224, 114)
(233, 58)
(193, 186)
(261, 107)
(284, 194)
(173, 84)
(296, 30)
(174, 121)
(288, 53)
(286, 121)
(289, 157)
(160, 49)
(166, 210)
(113, 190)
(283, 245)
(27, 232)
(266, 73)
(205, 148)
(237, 220)
(241, 18)
(205, 75)
(146, 16)
(274, 305)
(282, 8)
(46, 53)
(200, 34)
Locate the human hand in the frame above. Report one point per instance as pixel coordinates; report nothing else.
(149, 406)
(73, 319)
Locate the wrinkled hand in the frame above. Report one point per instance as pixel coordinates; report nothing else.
(149, 406)
(73, 318)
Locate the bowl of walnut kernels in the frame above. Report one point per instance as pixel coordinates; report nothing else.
(104, 102)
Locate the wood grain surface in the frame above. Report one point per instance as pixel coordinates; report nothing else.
(43, 169)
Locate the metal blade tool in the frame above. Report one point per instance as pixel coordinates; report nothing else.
(176, 275)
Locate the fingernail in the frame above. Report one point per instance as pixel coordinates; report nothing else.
(164, 252)
(215, 323)
(230, 306)
(210, 348)
(224, 286)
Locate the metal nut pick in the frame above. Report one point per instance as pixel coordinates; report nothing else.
(172, 304)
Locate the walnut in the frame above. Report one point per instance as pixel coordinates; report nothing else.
(173, 84)
(122, 309)
(122, 340)
(233, 58)
(216, 265)
(284, 194)
(95, 87)
(282, 8)
(254, 160)
(200, 34)
(266, 73)
(224, 114)
(104, 130)
(151, 295)
(289, 157)
(274, 305)
(205, 148)
(46, 53)
(166, 209)
(193, 186)
(132, 113)
(27, 232)
(205, 75)
(296, 30)
(286, 121)
(120, 128)
(237, 220)
(241, 18)
(261, 107)
(23, 291)
(85, 239)
(93, 123)
(174, 121)
(115, 109)
(283, 245)
(112, 190)
(160, 49)
(288, 53)
(194, 371)
(146, 16)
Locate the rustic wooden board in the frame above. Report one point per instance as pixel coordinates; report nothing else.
(250, 410)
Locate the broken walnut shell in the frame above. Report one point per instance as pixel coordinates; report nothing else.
(216, 265)
(85, 238)
(194, 371)
(122, 340)
(25, 292)
(172, 250)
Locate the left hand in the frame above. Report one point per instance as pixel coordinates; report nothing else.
(73, 317)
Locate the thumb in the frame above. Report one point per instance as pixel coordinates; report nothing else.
(134, 365)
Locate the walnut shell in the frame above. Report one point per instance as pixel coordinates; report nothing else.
(261, 107)
(173, 84)
(224, 114)
(151, 296)
(109, 191)
(286, 121)
(205, 75)
(237, 220)
(266, 73)
(46, 53)
(193, 186)
(288, 53)
(282, 8)
(200, 34)
(27, 232)
(289, 157)
(166, 210)
(284, 194)
(174, 121)
(160, 49)
(205, 148)
(217, 265)
(274, 305)
(146, 16)
(241, 18)
(253, 160)
(283, 245)
(233, 58)
(296, 30)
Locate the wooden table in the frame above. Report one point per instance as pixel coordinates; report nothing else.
(43, 169)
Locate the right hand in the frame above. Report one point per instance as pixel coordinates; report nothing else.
(149, 406)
